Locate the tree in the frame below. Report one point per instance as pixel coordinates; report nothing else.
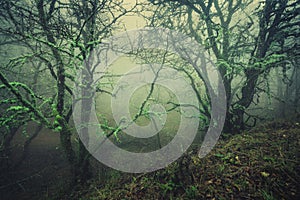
(245, 51)
(59, 35)
(278, 24)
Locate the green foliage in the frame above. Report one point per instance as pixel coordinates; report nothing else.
(238, 107)
(167, 187)
(115, 133)
(269, 62)
(267, 196)
(57, 123)
(17, 109)
(20, 61)
(228, 158)
(269, 158)
(191, 192)
(223, 64)
(54, 109)
(58, 129)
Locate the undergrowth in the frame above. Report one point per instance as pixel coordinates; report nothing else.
(259, 164)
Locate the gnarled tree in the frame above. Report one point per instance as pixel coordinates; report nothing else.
(243, 36)
(58, 34)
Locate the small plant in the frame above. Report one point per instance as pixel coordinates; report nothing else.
(191, 192)
(166, 187)
(221, 168)
(266, 195)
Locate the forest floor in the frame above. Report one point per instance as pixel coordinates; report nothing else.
(263, 163)
(41, 174)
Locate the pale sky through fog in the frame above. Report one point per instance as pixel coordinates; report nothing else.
(132, 21)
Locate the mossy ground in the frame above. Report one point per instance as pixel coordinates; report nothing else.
(259, 164)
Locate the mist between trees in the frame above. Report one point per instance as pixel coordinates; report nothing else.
(44, 44)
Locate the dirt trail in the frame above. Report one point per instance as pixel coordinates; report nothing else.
(41, 173)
